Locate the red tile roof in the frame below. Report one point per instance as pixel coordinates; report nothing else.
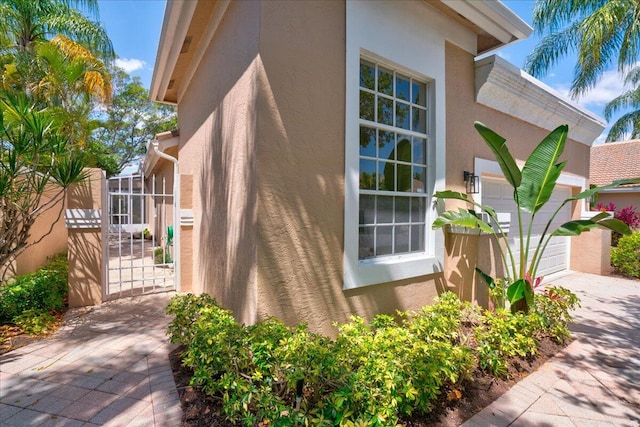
(615, 160)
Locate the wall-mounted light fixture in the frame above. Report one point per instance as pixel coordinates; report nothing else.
(472, 182)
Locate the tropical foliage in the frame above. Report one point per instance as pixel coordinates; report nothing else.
(377, 373)
(532, 189)
(626, 256)
(129, 122)
(53, 75)
(601, 33)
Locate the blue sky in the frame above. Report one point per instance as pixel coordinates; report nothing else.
(134, 28)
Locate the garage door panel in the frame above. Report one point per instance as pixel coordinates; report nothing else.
(498, 193)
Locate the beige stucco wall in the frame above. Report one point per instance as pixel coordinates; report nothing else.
(300, 165)
(464, 145)
(217, 121)
(262, 128)
(85, 244)
(51, 221)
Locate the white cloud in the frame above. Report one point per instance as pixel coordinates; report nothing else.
(610, 85)
(130, 65)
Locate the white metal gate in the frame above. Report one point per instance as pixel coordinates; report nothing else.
(139, 249)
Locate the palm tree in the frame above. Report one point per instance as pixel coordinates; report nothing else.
(24, 23)
(628, 125)
(597, 30)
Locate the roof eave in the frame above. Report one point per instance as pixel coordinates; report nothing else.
(504, 87)
(493, 17)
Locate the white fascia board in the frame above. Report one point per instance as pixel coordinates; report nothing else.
(505, 88)
(177, 18)
(493, 17)
(631, 189)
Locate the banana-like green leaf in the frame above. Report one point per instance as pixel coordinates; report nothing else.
(463, 218)
(541, 171)
(577, 227)
(456, 195)
(449, 194)
(574, 228)
(516, 291)
(616, 225)
(490, 281)
(591, 191)
(497, 144)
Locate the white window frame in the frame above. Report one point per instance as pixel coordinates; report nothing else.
(374, 31)
(376, 125)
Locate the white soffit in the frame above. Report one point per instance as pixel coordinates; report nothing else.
(504, 87)
(493, 17)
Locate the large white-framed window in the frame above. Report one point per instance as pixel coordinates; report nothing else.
(388, 235)
(394, 128)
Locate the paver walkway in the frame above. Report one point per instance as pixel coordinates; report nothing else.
(107, 366)
(595, 381)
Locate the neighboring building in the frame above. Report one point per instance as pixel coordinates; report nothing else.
(613, 161)
(313, 135)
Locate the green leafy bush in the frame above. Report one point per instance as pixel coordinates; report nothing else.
(626, 257)
(371, 374)
(39, 292)
(553, 307)
(35, 322)
(503, 335)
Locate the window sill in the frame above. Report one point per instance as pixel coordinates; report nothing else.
(378, 271)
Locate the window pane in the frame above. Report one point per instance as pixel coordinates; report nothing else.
(402, 209)
(367, 101)
(386, 176)
(367, 209)
(384, 210)
(385, 81)
(367, 174)
(367, 75)
(366, 242)
(401, 239)
(417, 238)
(367, 142)
(419, 179)
(417, 209)
(402, 87)
(419, 148)
(404, 177)
(418, 120)
(386, 144)
(403, 152)
(384, 239)
(419, 93)
(385, 111)
(402, 115)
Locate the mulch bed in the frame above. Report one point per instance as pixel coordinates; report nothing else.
(452, 409)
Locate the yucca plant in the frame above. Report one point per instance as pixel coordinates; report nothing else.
(533, 186)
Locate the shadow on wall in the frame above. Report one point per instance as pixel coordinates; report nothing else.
(85, 245)
(227, 256)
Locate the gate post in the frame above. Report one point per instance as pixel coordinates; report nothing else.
(84, 223)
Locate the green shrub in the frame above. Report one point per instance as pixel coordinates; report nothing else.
(626, 257)
(504, 335)
(553, 306)
(35, 322)
(371, 374)
(162, 256)
(39, 292)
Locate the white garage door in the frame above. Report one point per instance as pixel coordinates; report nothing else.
(499, 194)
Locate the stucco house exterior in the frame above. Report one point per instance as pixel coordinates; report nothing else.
(612, 161)
(312, 136)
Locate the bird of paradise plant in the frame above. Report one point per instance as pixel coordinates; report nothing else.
(532, 189)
